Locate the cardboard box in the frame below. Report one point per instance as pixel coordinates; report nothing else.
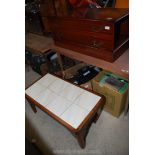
(69, 73)
(115, 99)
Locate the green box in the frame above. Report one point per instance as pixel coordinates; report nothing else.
(115, 98)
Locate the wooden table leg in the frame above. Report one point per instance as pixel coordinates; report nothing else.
(33, 107)
(97, 115)
(81, 138)
(81, 135)
(61, 64)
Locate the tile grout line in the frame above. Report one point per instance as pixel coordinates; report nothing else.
(72, 102)
(61, 97)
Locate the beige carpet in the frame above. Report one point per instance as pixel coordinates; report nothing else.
(109, 136)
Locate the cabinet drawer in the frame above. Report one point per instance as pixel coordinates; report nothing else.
(93, 52)
(84, 39)
(84, 25)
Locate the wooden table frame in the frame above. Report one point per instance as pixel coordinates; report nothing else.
(81, 132)
(119, 66)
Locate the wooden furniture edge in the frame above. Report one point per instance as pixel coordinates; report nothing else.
(87, 118)
(115, 68)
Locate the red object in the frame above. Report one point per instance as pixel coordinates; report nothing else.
(79, 3)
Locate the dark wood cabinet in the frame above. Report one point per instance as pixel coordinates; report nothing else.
(102, 33)
(47, 8)
(50, 8)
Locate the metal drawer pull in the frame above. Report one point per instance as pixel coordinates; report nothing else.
(96, 44)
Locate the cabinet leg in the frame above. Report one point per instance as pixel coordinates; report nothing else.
(97, 115)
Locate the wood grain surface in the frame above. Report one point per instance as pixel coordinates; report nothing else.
(38, 43)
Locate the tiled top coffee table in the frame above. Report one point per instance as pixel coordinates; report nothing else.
(73, 107)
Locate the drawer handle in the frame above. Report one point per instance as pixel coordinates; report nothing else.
(97, 28)
(96, 44)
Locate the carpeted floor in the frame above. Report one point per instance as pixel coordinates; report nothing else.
(109, 136)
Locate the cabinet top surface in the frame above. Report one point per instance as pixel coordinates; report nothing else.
(105, 14)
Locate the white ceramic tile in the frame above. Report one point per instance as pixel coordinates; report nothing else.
(45, 97)
(34, 90)
(58, 85)
(74, 115)
(63, 99)
(58, 106)
(87, 100)
(47, 79)
(71, 92)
